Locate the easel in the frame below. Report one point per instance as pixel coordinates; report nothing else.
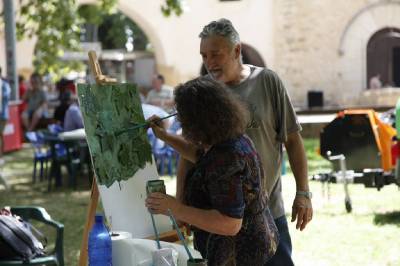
(169, 236)
(94, 197)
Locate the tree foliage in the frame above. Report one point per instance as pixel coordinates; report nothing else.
(172, 6)
(57, 26)
(113, 33)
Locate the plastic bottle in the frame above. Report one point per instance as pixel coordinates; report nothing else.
(99, 246)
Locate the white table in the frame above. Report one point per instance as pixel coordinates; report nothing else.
(77, 134)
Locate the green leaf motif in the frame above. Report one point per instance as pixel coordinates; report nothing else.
(107, 109)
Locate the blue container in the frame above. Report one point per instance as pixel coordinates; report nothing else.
(99, 246)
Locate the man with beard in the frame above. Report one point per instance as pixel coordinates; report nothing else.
(273, 125)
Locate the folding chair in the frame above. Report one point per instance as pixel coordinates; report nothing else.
(55, 256)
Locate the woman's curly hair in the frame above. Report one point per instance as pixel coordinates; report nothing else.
(209, 112)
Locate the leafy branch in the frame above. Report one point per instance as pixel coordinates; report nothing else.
(57, 26)
(172, 6)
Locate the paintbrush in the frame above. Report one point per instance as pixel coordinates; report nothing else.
(178, 231)
(145, 124)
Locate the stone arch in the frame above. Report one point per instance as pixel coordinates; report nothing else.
(249, 56)
(388, 4)
(354, 40)
(130, 10)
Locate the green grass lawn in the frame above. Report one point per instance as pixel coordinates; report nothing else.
(370, 235)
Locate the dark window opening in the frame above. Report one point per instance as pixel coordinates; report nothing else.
(396, 66)
(383, 57)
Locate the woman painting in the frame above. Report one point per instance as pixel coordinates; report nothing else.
(223, 201)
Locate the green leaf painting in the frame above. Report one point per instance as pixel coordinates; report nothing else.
(108, 109)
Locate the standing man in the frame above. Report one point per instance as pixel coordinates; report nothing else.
(5, 93)
(161, 95)
(273, 124)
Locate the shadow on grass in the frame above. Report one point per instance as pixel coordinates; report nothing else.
(387, 218)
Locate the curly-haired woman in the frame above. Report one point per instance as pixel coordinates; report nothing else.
(224, 201)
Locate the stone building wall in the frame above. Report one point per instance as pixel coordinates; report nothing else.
(307, 40)
(311, 44)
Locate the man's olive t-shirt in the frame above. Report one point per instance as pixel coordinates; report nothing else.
(272, 119)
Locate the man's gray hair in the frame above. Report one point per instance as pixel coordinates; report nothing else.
(222, 27)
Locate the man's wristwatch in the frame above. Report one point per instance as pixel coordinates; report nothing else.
(306, 194)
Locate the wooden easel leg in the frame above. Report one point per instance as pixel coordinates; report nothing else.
(94, 199)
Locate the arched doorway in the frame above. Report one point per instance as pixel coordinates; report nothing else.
(125, 53)
(383, 56)
(122, 45)
(353, 75)
(249, 56)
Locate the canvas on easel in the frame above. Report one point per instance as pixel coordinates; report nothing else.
(122, 163)
(106, 109)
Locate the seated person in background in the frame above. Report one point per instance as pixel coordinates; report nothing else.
(73, 120)
(161, 95)
(65, 86)
(73, 116)
(375, 82)
(224, 199)
(36, 103)
(61, 109)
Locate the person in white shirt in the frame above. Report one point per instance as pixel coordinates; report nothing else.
(161, 95)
